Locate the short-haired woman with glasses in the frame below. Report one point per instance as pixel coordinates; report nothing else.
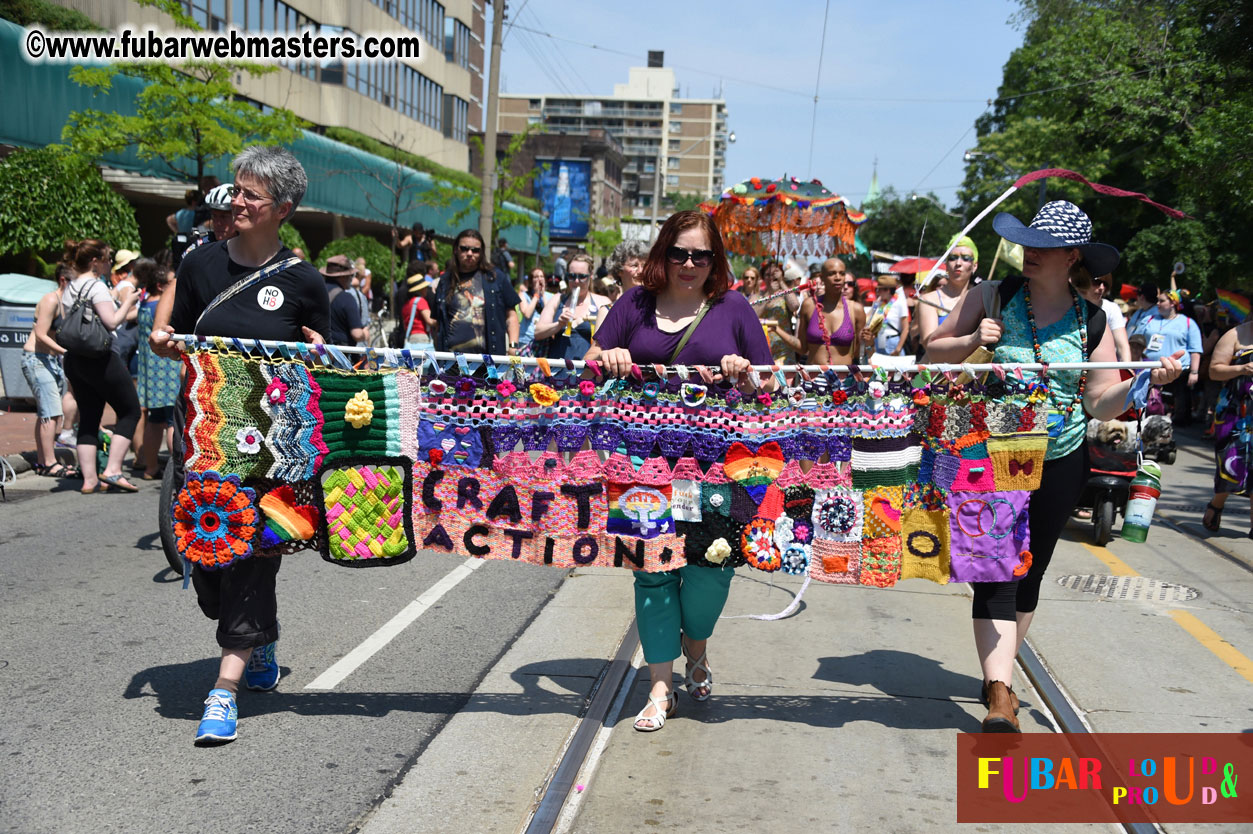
(684, 287)
(935, 306)
(571, 322)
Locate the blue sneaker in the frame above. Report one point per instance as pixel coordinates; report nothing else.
(262, 672)
(220, 717)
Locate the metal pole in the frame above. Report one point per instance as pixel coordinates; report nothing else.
(487, 205)
(652, 231)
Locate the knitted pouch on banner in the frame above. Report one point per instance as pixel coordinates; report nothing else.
(989, 536)
(925, 540)
(835, 562)
(367, 513)
(881, 561)
(1018, 460)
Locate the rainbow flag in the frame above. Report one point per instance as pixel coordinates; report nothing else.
(1234, 303)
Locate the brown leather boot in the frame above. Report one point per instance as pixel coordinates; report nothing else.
(1001, 718)
(1013, 696)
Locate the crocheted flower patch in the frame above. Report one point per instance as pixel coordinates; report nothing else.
(215, 519)
(367, 509)
(248, 440)
(276, 392)
(758, 545)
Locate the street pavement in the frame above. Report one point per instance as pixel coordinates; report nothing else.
(842, 717)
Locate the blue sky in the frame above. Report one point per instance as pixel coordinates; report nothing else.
(901, 80)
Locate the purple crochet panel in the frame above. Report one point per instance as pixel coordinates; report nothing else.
(505, 438)
(535, 438)
(640, 442)
(569, 435)
(840, 447)
(674, 442)
(708, 447)
(606, 436)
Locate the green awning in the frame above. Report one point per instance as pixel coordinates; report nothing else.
(37, 99)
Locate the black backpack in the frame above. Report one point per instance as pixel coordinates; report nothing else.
(82, 333)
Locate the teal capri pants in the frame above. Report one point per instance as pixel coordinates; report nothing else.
(688, 600)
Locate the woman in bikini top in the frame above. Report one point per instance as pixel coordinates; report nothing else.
(828, 329)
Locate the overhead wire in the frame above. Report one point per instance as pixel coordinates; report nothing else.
(813, 125)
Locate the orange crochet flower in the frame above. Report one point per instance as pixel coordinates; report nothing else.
(215, 518)
(544, 395)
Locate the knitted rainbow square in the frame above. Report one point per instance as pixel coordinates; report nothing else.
(925, 540)
(367, 513)
(835, 562)
(1018, 460)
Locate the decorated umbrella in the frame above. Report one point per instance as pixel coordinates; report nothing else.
(785, 217)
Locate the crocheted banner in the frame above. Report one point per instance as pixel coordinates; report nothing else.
(847, 480)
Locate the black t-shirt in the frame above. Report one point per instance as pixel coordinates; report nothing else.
(345, 316)
(275, 308)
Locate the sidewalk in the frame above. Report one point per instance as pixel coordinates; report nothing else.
(17, 434)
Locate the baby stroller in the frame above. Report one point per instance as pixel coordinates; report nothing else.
(1112, 450)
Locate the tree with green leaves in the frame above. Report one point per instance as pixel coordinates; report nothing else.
(509, 187)
(51, 195)
(678, 201)
(603, 234)
(907, 226)
(187, 115)
(1148, 95)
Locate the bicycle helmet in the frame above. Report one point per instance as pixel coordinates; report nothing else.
(219, 198)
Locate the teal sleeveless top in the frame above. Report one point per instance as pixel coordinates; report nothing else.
(1059, 342)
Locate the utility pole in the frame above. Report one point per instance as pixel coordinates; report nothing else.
(487, 205)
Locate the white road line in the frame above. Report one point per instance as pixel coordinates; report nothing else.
(347, 664)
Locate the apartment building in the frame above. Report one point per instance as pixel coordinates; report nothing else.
(426, 106)
(677, 143)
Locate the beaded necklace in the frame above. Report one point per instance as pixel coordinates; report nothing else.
(1039, 356)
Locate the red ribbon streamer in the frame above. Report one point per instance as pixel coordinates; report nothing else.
(1107, 190)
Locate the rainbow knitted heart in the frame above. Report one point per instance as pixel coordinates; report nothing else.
(756, 471)
(285, 520)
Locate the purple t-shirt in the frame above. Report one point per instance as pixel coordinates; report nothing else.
(729, 327)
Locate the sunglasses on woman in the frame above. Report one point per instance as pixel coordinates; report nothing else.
(954, 258)
(699, 257)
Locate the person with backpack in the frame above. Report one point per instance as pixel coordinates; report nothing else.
(346, 326)
(1042, 319)
(97, 374)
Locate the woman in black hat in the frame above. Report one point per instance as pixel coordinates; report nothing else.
(1043, 320)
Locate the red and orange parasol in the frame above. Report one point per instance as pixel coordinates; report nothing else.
(785, 217)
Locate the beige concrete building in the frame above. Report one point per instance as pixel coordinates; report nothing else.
(682, 139)
(426, 106)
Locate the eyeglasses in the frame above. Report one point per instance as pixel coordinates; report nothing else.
(578, 276)
(249, 195)
(470, 250)
(954, 258)
(699, 257)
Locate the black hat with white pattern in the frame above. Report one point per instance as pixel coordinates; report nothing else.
(1059, 225)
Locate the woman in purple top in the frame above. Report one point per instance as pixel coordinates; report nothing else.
(827, 329)
(686, 273)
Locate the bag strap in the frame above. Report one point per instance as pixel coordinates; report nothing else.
(255, 278)
(691, 328)
(413, 312)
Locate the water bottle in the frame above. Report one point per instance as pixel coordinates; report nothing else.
(1142, 497)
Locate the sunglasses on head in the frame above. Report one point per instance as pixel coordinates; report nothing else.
(472, 250)
(954, 258)
(699, 257)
